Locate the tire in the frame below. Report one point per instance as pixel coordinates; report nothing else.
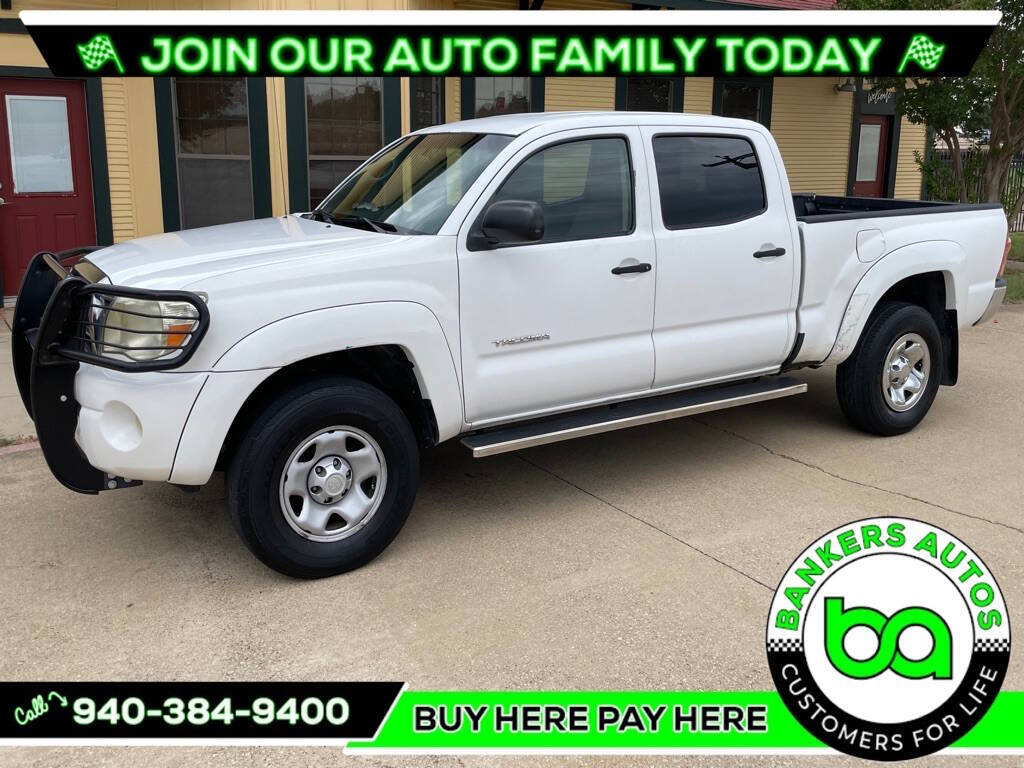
(331, 417)
(859, 379)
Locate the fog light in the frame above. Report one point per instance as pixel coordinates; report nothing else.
(120, 426)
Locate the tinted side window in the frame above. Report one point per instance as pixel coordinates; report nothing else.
(707, 180)
(585, 188)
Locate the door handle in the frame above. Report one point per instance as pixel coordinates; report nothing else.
(770, 253)
(631, 268)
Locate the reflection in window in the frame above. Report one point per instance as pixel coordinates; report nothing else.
(214, 169)
(501, 95)
(649, 94)
(707, 180)
(416, 183)
(40, 145)
(584, 187)
(344, 127)
(427, 101)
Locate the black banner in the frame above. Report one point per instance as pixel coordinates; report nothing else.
(43, 710)
(656, 48)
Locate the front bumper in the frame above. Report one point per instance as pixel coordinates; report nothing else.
(129, 424)
(994, 303)
(88, 417)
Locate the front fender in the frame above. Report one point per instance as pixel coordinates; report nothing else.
(943, 256)
(247, 363)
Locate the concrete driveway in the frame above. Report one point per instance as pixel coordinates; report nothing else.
(638, 559)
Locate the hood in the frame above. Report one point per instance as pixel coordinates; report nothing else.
(176, 260)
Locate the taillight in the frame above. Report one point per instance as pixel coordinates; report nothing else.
(1006, 253)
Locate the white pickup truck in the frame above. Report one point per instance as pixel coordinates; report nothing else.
(512, 281)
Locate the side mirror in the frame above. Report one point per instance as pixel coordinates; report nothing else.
(512, 221)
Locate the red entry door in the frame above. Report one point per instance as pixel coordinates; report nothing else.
(872, 155)
(45, 180)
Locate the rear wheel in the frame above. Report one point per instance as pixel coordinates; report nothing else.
(323, 481)
(890, 381)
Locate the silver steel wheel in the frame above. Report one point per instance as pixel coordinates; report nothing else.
(333, 483)
(905, 375)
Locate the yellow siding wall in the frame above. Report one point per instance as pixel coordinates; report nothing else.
(205, 5)
(278, 146)
(115, 119)
(452, 99)
(510, 5)
(325, 5)
(578, 93)
(697, 94)
(811, 123)
(19, 51)
(908, 175)
(129, 116)
(42, 5)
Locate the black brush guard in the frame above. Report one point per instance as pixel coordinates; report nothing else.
(47, 347)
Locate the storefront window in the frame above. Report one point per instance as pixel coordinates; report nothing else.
(501, 95)
(344, 127)
(649, 94)
(427, 101)
(743, 99)
(214, 167)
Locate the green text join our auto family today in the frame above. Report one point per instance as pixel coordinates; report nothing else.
(458, 55)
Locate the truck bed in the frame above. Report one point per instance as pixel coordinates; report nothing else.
(812, 208)
(842, 238)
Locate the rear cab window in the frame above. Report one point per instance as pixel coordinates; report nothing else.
(705, 181)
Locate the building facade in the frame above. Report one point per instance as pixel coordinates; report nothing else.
(102, 160)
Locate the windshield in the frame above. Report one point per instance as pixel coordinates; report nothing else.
(413, 186)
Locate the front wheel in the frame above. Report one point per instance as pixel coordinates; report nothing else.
(890, 381)
(323, 481)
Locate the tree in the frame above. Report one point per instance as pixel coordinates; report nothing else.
(991, 97)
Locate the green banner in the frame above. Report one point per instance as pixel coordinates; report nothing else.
(627, 721)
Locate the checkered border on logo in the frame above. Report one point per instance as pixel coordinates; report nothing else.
(785, 645)
(992, 645)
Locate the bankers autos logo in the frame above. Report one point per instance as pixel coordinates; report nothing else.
(888, 638)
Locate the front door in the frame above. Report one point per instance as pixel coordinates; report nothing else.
(45, 180)
(565, 320)
(872, 155)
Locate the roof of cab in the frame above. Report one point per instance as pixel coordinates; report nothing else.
(519, 123)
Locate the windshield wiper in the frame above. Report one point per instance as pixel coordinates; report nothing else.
(320, 215)
(376, 226)
(349, 220)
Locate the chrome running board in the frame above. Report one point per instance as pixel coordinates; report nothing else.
(632, 413)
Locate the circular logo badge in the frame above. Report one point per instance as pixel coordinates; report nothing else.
(888, 638)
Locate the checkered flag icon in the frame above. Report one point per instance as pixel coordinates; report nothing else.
(924, 52)
(98, 52)
(992, 645)
(785, 645)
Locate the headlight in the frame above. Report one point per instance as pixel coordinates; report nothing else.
(146, 329)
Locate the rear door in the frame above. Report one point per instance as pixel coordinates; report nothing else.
(45, 180)
(727, 261)
(551, 324)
